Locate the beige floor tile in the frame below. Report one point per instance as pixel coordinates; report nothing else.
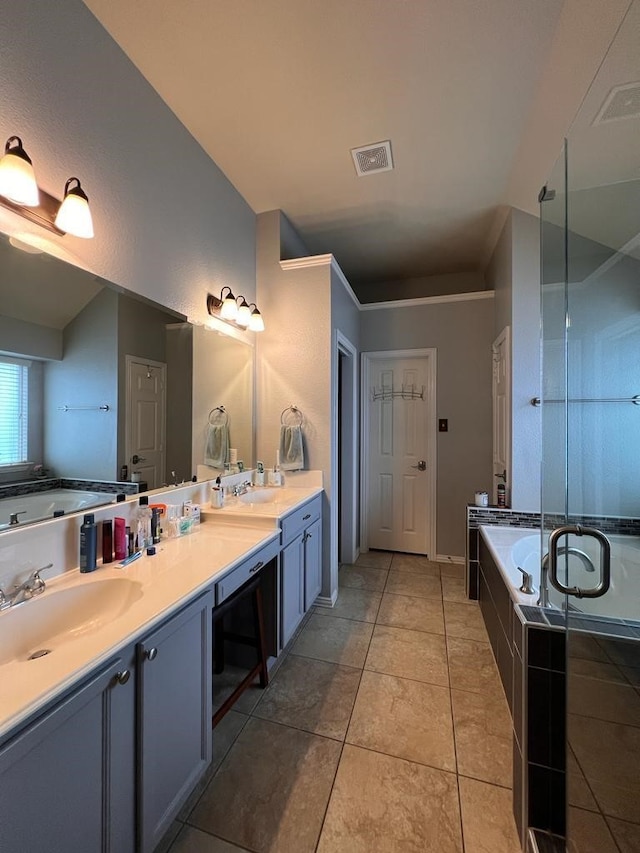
(472, 666)
(464, 621)
(409, 654)
(313, 695)
(335, 640)
(271, 790)
(362, 577)
(408, 719)
(578, 793)
(627, 835)
(588, 833)
(375, 559)
(453, 590)
(409, 611)
(609, 755)
(487, 820)
(192, 840)
(415, 564)
(382, 804)
(409, 583)
(359, 604)
(605, 700)
(482, 727)
(452, 570)
(224, 736)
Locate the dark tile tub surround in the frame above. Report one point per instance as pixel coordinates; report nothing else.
(30, 487)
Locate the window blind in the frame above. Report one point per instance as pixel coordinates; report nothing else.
(14, 414)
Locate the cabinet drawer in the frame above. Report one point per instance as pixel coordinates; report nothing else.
(241, 574)
(301, 518)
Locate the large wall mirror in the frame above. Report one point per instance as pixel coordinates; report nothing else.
(100, 380)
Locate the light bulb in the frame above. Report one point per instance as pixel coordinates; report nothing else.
(17, 178)
(244, 313)
(74, 216)
(229, 309)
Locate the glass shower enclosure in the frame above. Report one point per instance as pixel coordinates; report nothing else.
(590, 262)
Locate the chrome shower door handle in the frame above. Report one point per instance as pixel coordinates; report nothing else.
(605, 561)
(421, 466)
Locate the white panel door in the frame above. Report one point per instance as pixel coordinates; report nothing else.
(400, 473)
(501, 350)
(146, 419)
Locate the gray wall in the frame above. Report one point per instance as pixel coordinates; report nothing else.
(29, 339)
(514, 274)
(168, 223)
(83, 443)
(414, 288)
(462, 332)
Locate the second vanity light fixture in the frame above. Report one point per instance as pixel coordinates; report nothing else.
(20, 193)
(234, 310)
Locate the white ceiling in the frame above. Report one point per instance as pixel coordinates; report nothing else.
(473, 94)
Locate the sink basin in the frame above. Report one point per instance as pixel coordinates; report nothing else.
(57, 617)
(268, 496)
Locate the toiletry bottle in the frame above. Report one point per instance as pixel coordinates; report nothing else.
(155, 525)
(120, 538)
(502, 494)
(143, 524)
(107, 541)
(131, 547)
(88, 544)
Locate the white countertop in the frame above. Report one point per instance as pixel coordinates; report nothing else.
(180, 569)
(287, 499)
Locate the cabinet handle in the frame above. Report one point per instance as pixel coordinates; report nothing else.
(122, 677)
(305, 517)
(151, 654)
(306, 536)
(256, 567)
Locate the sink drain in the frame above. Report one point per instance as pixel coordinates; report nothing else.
(39, 654)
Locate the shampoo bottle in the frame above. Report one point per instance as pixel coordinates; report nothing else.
(88, 544)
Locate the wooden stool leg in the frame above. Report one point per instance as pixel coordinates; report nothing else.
(261, 645)
(218, 652)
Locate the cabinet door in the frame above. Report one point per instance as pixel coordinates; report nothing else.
(67, 782)
(292, 587)
(312, 563)
(174, 716)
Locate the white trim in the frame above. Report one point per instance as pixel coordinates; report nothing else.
(343, 345)
(432, 446)
(446, 558)
(320, 261)
(428, 300)
(325, 601)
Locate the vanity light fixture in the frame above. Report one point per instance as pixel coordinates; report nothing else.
(237, 311)
(256, 323)
(19, 192)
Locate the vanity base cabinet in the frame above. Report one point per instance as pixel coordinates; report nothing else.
(174, 717)
(67, 782)
(312, 563)
(291, 588)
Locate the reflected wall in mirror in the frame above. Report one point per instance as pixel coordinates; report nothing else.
(82, 344)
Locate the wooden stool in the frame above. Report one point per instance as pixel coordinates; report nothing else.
(252, 588)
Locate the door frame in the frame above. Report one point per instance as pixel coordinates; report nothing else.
(162, 366)
(431, 353)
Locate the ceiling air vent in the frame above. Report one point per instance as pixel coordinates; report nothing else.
(621, 102)
(372, 158)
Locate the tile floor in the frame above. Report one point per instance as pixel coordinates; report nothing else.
(384, 729)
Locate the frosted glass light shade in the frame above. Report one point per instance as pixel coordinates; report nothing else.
(74, 216)
(256, 323)
(17, 178)
(244, 313)
(229, 309)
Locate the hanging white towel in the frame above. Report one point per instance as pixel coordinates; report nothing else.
(291, 449)
(216, 447)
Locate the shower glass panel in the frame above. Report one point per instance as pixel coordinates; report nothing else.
(591, 441)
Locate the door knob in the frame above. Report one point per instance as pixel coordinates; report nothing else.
(135, 459)
(421, 466)
(502, 476)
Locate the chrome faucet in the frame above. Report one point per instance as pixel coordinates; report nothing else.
(241, 488)
(13, 517)
(543, 600)
(34, 585)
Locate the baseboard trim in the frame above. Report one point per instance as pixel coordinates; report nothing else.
(325, 601)
(446, 558)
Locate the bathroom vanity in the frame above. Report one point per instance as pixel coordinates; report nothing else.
(103, 739)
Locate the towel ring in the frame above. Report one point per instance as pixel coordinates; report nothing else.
(296, 411)
(218, 412)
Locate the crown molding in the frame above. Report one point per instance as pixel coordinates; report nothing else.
(320, 261)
